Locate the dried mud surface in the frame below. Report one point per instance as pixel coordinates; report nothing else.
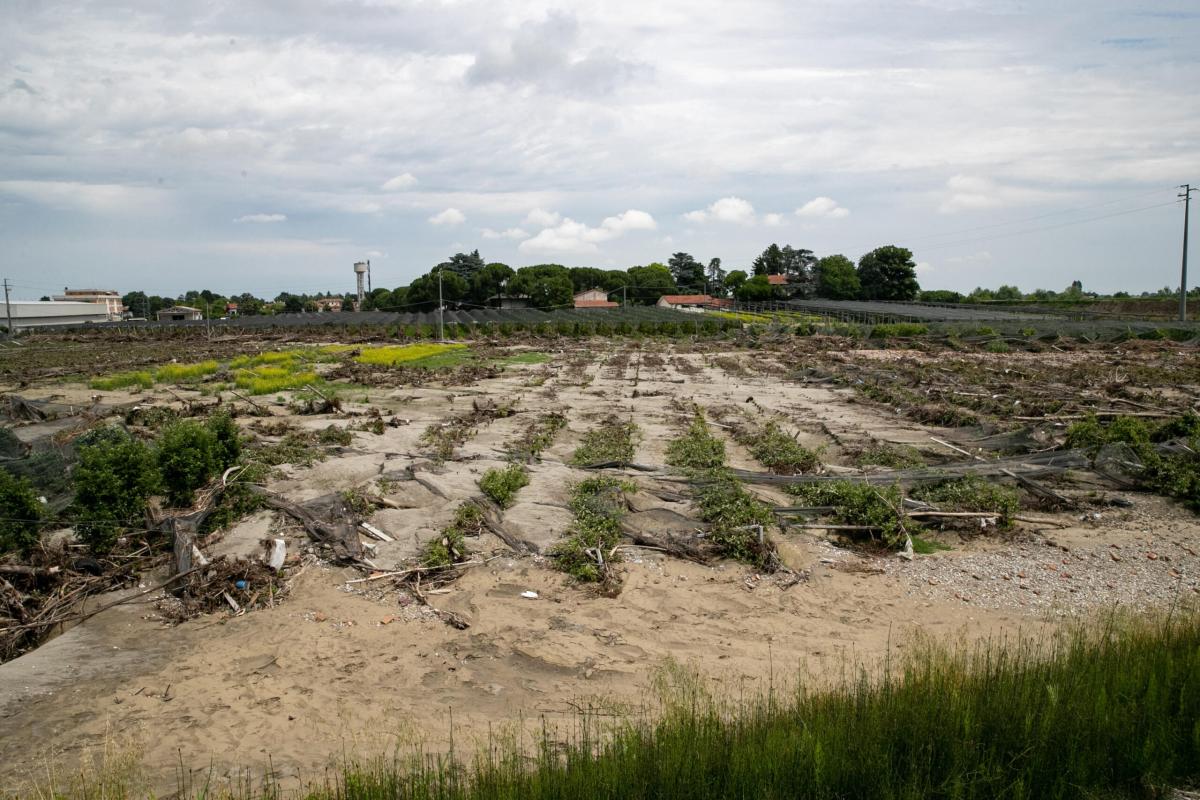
(346, 669)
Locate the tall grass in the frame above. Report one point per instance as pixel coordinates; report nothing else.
(184, 373)
(268, 380)
(429, 355)
(1111, 712)
(142, 379)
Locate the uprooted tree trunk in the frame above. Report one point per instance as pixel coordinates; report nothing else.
(491, 518)
(326, 520)
(670, 532)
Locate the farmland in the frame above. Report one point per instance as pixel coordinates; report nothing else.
(575, 503)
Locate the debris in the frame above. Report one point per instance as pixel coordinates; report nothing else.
(278, 555)
(530, 594)
(376, 532)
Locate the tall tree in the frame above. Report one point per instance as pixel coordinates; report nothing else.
(648, 283)
(755, 289)
(888, 273)
(465, 265)
(687, 271)
(489, 281)
(735, 279)
(548, 285)
(715, 275)
(770, 261)
(836, 278)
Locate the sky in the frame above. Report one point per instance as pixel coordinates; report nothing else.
(267, 145)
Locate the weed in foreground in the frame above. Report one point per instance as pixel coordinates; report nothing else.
(877, 508)
(776, 450)
(893, 456)
(185, 373)
(140, 379)
(502, 485)
(538, 436)
(451, 547)
(1109, 710)
(737, 518)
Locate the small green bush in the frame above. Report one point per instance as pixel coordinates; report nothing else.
(859, 503)
(972, 493)
(187, 457)
(724, 503)
(451, 547)
(20, 514)
(114, 478)
(124, 380)
(779, 452)
(228, 439)
(890, 455)
(614, 440)
(898, 330)
(697, 449)
(1172, 474)
(502, 485)
(598, 505)
(997, 346)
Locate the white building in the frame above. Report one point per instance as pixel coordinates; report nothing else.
(111, 301)
(44, 313)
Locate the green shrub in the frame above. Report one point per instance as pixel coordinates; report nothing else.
(890, 455)
(20, 514)
(502, 485)
(185, 373)
(598, 505)
(697, 449)
(228, 439)
(614, 440)
(450, 547)
(777, 451)
(1173, 473)
(997, 346)
(898, 330)
(859, 503)
(972, 493)
(724, 503)
(187, 457)
(114, 478)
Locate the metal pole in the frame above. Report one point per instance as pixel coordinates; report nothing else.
(8, 309)
(441, 311)
(1187, 200)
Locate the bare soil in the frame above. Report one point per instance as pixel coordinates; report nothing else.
(354, 669)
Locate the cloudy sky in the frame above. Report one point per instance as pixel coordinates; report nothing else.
(262, 145)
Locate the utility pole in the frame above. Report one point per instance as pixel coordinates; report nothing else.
(1186, 194)
(8, 309)
(624, 297)
(441, 311)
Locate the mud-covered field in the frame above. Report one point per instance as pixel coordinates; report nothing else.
(339, 665)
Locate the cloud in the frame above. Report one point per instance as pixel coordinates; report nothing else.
(727, 209)
(545, 54)
(510, 233)
(822, 208)
(569, 236)
(451, 216)
(772, 220)
(95, 198)
(976, 193)
(399, 183)
(923, 268)
(262, 218)
(542, 218)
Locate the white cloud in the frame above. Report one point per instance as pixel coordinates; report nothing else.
(772, 220)
(399, 183)
(96, 198)
(541, 218)
(727, 209)
(631, 220)
(923, 268)
(451, 216)
(976, 193)
(822, 208)
(261, 218)
(510, 233)
(569, 236)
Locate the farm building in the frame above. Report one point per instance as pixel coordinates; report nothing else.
(179, 314)
(42, 313)
(329, 304)
(593, 298)
(687, 302)
(113, 307)
(508, 301)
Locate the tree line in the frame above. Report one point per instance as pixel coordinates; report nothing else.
(467, 280)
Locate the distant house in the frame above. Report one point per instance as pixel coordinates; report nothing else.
(688, 302)
(179, 314)
(777, 280)
(113, 307)
(44, 313)
(329, 304)
(231, 309)
(508, 301)
(594, 298)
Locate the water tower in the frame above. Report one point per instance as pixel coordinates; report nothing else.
(361, 268)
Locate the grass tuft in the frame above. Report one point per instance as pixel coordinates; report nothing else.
(697, 449)
(502, 485)
(141, 379)
(430, 356)
(613, 441)
(185, 373)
